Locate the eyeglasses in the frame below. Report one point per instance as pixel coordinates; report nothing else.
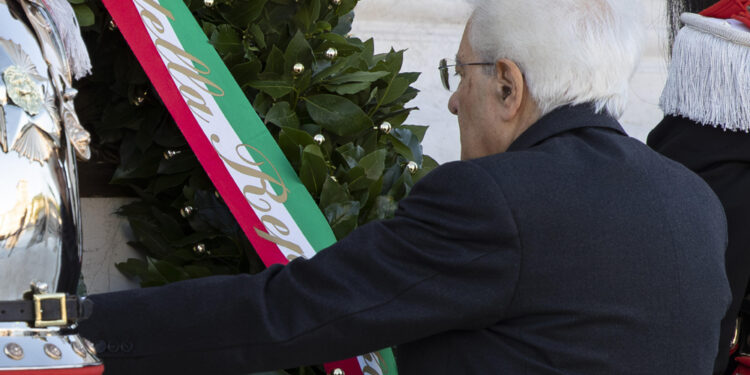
(445, 75)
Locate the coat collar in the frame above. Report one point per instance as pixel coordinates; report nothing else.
(562, 120)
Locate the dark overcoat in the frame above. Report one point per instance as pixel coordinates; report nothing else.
(578, 251)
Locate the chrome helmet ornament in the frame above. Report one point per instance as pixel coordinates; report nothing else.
(40, 138)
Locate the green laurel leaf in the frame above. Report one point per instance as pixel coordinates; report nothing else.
(298, 51)
(357, 77)
(333, 192)
(337, 114)
(342, 217)
(348, 88)
(226, 40)
(276, 89)
(314, 169)
(84, 15)
(374, 164)
(242, 13)
(282, 115)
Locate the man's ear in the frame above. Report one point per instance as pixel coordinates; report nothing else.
(509, 88)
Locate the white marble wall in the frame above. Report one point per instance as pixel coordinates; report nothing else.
(430, 30)
(105, 237)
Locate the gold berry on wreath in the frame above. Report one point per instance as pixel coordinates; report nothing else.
(319, 139)
(208, 3)
(169, 154)
(331, 53)
(298, 69)
(386, 127)
(186, 211)
(412, 167)
(199, 249)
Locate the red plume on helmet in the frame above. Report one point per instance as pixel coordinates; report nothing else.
(726, 9)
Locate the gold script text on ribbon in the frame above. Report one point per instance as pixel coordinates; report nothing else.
(276, 230)
(373, 364)
(180, 64)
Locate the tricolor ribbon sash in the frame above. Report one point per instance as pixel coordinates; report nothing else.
(240, 156)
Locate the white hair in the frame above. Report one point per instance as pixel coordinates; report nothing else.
(570, 51)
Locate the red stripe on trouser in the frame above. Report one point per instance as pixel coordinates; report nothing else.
(89, 370)
(743, 365)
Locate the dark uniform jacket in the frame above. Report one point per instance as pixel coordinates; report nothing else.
(578, 251)
(722, 159)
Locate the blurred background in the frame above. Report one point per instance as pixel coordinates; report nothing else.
(431, 30)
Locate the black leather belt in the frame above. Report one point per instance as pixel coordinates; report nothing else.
(47, 310)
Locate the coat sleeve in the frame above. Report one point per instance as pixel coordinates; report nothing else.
(449, 260)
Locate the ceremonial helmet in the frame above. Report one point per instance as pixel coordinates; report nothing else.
(40, 233)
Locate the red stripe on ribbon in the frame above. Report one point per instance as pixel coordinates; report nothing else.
(128, 20)
(349, 366)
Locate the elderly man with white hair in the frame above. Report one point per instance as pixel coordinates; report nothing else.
(558, 245)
